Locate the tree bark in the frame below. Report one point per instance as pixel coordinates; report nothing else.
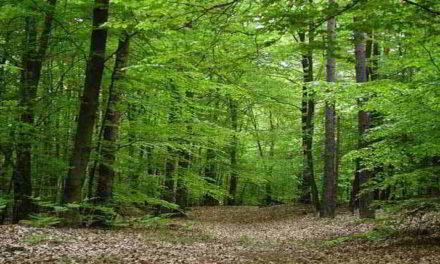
(329, 192)
(269, 197)
(309, 190)
(233, 180)
(172, 161)
(112, 117)
(32, 63)
(210, 175)
(185, 157)
(181, 190)
(210, 168)
(364, 198)
(89, 104)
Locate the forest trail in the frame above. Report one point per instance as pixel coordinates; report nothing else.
(278, 234)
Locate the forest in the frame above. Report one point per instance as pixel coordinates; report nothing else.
(219, 131)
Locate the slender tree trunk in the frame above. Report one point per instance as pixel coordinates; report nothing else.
(172, 161)
(89, 104)
(330, 182)
(210, 169)
(5, 168)
(132, 113)
(170, 168)
(151, 169)
(272, 126)
(233, 180)
(267, 167)
(90, 181)
(364, 123)
(5, 149)
(309, 190)
(338, 145)
(181, 190)
(210, 175)
(184, 158)
(32, 63)
(112, 117)
(2, 77)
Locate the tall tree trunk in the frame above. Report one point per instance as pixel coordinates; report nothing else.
(184, 158)
(5, 149)
(364, 123)
(5, 168)
(354, 203)
(233, 180)
(32, 63)
(269, 199)
(172, 161)
(210, 175)
(170, 168)
(329, 192)
(2, 76)
(89, 104)
(267, 168)
(309, 190)
(112, 117)
(210, 168)
(181, 190)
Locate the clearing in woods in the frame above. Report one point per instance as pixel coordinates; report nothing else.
(278, 234)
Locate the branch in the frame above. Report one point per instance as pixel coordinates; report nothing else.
(338, 13)
(205, 11)
(431, 58)
(427, 9)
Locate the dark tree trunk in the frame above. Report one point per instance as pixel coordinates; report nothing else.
(32, 63)
(372, 54)
(210, 175)
(170, 168)
(112, 117)
(89, 104)
(354, 203)
(181, 190)
(269, 199)
(329, 192)
(309, 190)
(184, 158)
(363, 174)
(172, 161)
(5, 168)
(210, 168)
(338, 145)
(2, 77)
(267, 168)
(233, 180)
(5, 148)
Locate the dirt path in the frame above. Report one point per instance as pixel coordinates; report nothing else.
(280, 234)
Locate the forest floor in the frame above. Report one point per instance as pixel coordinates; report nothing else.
(278, 234)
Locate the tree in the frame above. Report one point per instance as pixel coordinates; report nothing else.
(89, 104)
(111, 122)
(362, 174)
(233, 149)
(32, 64)
(329, 192)
(366, 58)
(309, 190)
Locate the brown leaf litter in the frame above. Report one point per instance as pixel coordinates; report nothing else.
(278, 234)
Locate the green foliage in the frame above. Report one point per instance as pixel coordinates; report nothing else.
(187, 63)
(35, 239)
(414, 216)
(380, 232)
(146, 222)
(42, 220)
(3, 203)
